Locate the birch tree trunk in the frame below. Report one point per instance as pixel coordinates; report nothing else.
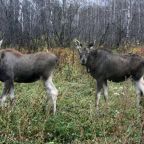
(128, 19)
(139, 19)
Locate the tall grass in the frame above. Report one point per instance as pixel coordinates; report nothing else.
(76, 121)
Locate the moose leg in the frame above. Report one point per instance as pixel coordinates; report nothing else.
(52, 92)
(98, 93)
(139, 94)
(105, 88)
(4, 94)
(6, 91)
(139, 90)
(12, 97)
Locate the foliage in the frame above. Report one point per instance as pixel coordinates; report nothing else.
(76, 120)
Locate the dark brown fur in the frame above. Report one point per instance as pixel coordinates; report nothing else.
(104, 65)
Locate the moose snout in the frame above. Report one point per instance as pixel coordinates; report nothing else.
(83, 62)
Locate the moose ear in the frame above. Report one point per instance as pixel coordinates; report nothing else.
(92, 48)
(92, 45)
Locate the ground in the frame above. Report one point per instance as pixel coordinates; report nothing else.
(76, 121)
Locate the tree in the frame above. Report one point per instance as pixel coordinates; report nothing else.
(35, 23)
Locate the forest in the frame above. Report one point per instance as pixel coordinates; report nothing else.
(55, 23)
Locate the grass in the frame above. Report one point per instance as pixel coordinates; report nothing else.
(76, 121)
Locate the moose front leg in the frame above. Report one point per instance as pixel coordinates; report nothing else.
(139, 91)
(8, 88)
(105, 88)
(52, 92)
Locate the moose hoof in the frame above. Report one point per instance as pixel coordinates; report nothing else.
(13, 101)
(3, 105)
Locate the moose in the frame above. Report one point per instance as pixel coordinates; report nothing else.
(27, 68)
(104, 65)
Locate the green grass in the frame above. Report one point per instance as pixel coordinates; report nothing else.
(76, 121)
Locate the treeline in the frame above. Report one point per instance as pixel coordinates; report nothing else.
(52, 23)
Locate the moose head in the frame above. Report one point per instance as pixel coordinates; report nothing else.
(84, 50)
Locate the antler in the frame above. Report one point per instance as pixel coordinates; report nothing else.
(76, 42)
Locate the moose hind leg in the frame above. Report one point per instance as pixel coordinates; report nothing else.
(139, 90)
(138, 94)
(105, 88)
(98, 93)
(11, 95)
(52, 92)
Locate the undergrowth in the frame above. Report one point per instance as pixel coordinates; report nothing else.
(76, 121)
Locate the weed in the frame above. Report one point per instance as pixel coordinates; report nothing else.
(75, 121)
